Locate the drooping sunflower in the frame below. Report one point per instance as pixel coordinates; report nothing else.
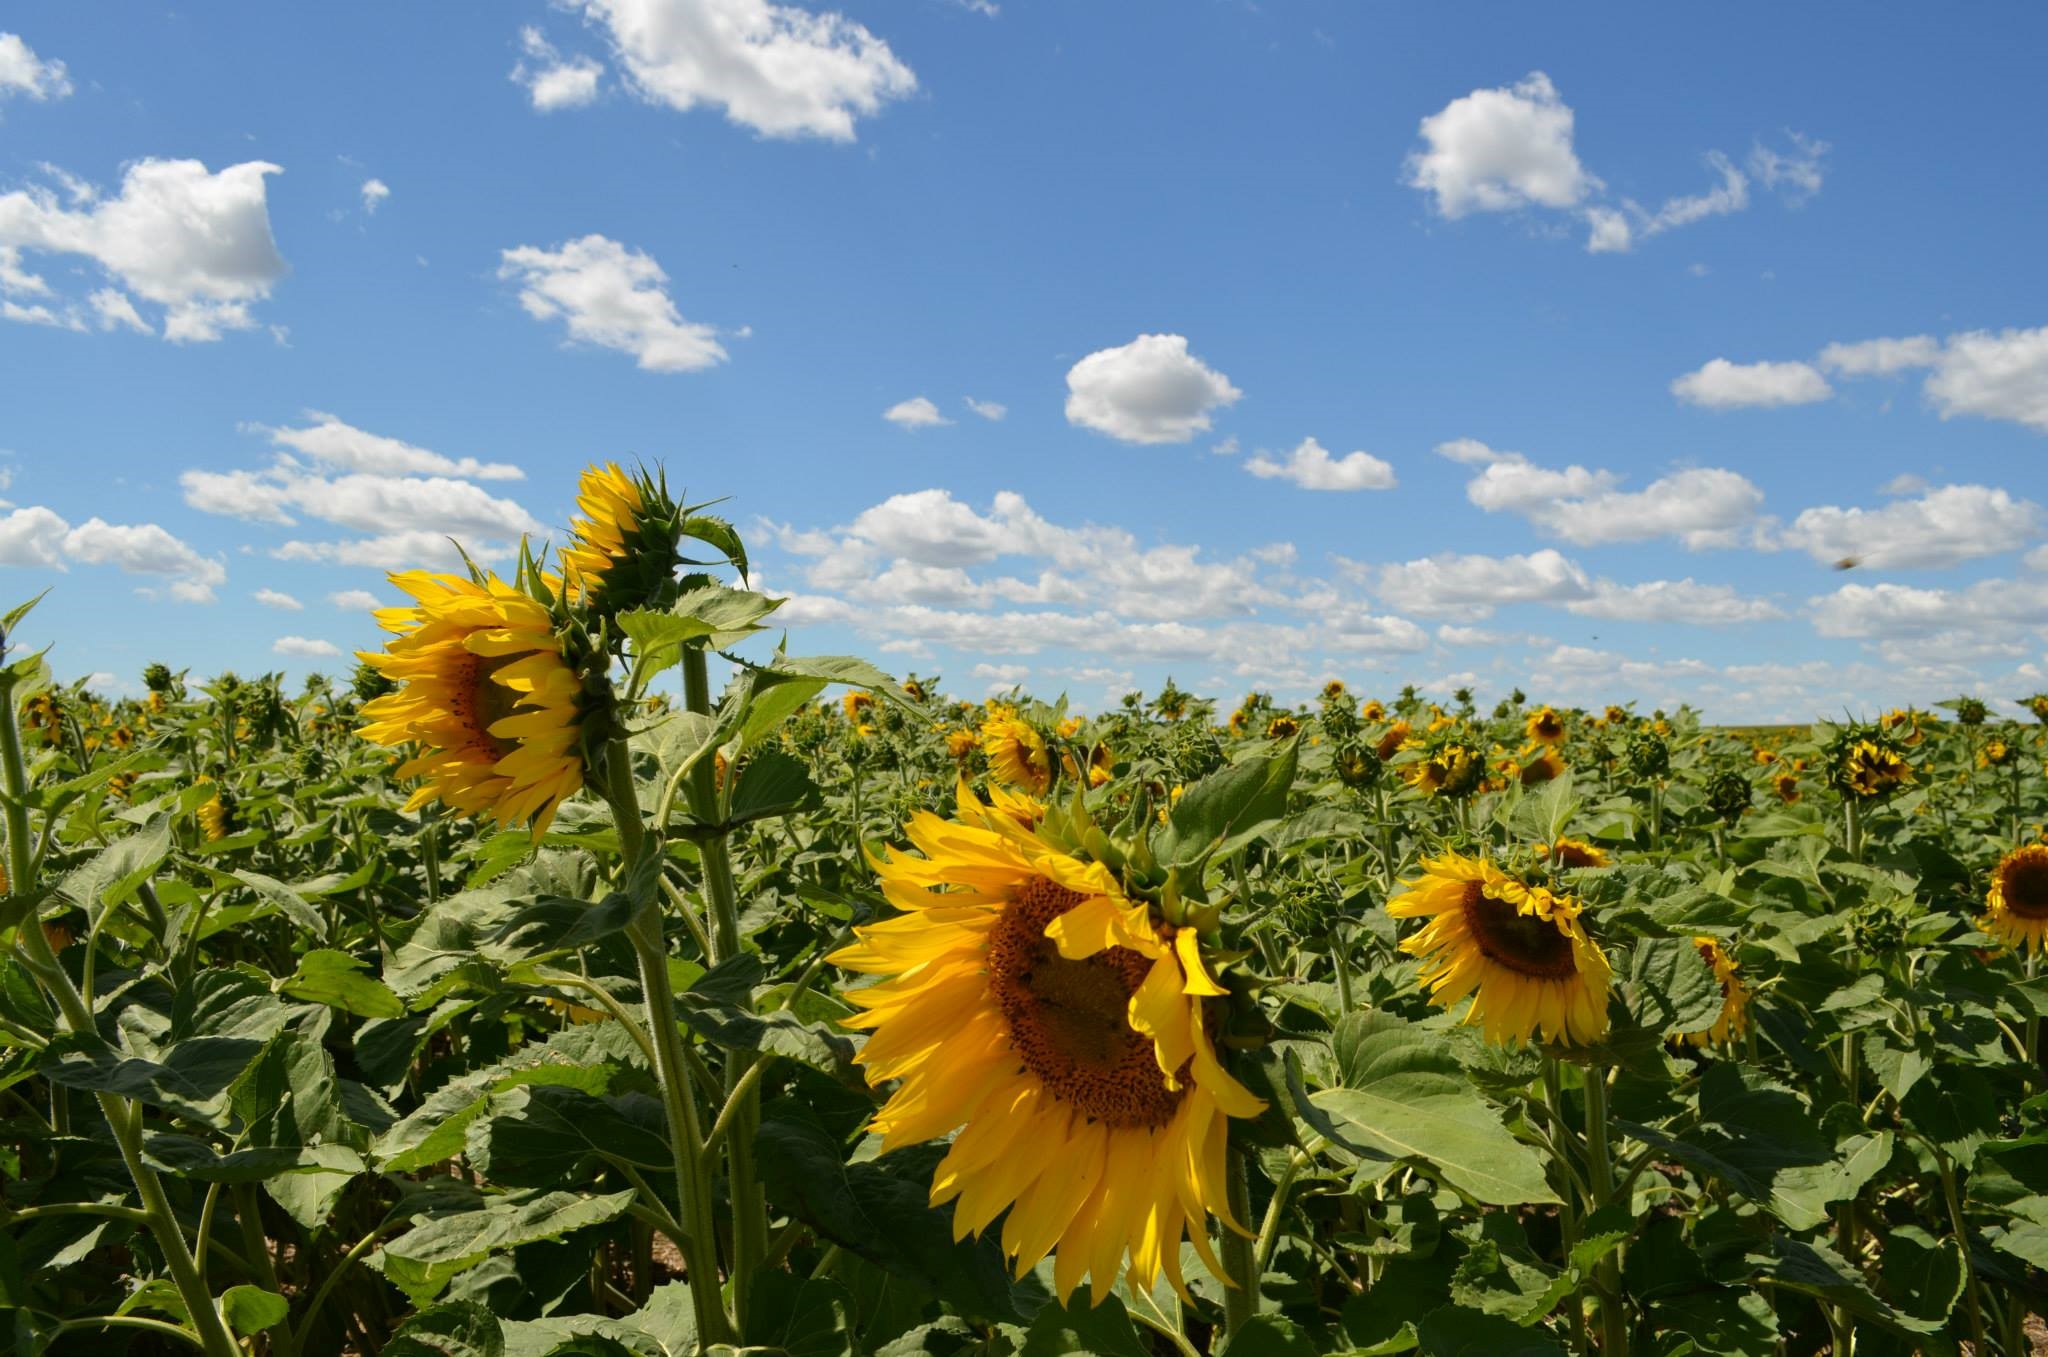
(1391, 740)
(1569, 852)
(1373, 710)
(1616, 716)
(1518, 950)
(2038, 705)
(1030, 1003)
(1016, 753)
(217, 816)
(1282, 727)
(486, 694)
(1545, 726)
(1733, 1019)
(1545, 767)
(2017, 913)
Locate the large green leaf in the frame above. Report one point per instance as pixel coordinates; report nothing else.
(421, 1261)
(457, 1329)
(1404, 1097)
(581, 1057)
(1227, 808)
(1104, 1329)
(880, 1210)
(536, 1135)
(342, 981)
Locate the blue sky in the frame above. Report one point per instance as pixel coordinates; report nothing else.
(1463, 344)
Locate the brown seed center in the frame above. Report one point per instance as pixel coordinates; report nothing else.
(2025, 882)
(1067, 1019)
(1523, 943)
(482, 702)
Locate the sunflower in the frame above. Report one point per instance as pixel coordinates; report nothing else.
(1996, 753)
(486, 692)
(611, 502)
(1391, 740)
(1733, 1019)
(2038, 705)
(1906, 722)
(913, 690)
(1786, 785)
(1069, 728)
(1517, 949)
(1763, 757)
(962, 743)
(1870, 769)
(856, 704)
(1543, 768)
(1335, 691)
(2018, 900)
(1545, 726)
(1030, 1003)
(1101, 765)
(217, 816)
(1570, 852)
(1449, 769)
(1617, 716)
(1016, 753)
(1281, 727)
(1373, 710)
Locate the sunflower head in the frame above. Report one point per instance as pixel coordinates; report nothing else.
(488, 693)
(1282, 727)
(1546, 766)
(2038, 705)
(1733, 1019)
(1391, 740)
(1728, 795)
(2017, 904)
(1373, 710)
(961, 744)
(1996, 753)
(1970, 711)
(1518, 951)
(1065, 1029)
(1335, 691)
(1570, 853)
(217, 816)
(1647, 755)
(1545, 726)
(625, 547)
(1865, 763)
(1448, 768)
(1763, 757)
(1357, 767)
(1786, 785)
(857, 703)
(1017, 754)
(1616, 716)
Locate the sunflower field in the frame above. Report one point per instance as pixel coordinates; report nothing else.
(594, 974)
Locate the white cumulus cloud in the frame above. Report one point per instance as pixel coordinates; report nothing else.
(990, 410)
(355, 600)
(1722, 385)
(374, 191)
(916, 413)
(1995, 376)
(1495, 150)
(22, 72)
(195, 242)
(304, 647)
(781, 70)
(274, 598)
(613, 297)
(1881, 357)
(330, 441)
(552, 80)
(1151, 390)
(1311, 467)
(1942, 527)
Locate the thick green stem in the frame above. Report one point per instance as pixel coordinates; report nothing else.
(1600, 1168)
(743, 1189)
(686, 1136)
(1269, 1232)
(1241, 1291)
(1960, 1225)
(124, 1117)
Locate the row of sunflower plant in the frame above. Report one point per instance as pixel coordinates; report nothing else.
(528, 996)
